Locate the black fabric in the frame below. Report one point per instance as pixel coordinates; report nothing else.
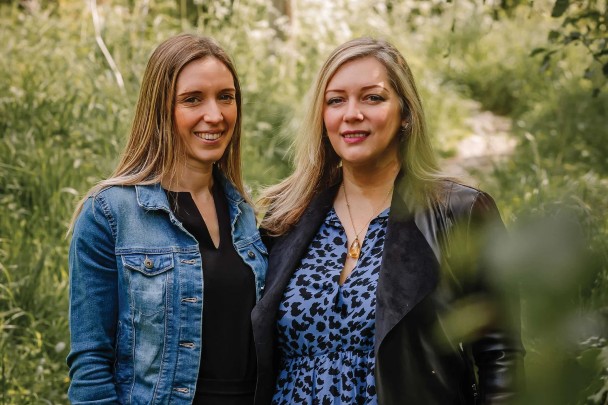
(228, 364)
(414, 362)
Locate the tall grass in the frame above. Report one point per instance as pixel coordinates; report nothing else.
(54, 106)
(64, 119)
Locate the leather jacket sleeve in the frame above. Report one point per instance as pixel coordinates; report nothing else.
(498, 352)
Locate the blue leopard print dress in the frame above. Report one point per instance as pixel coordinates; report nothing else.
(326, 331)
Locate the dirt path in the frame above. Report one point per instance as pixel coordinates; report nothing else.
(490, 142)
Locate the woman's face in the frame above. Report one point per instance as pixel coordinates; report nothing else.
(362, 114)
(205, 111)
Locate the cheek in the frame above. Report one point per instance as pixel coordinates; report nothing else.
(177, 118)
(331, 121)
(389, 122)
(335, 141)
(231, 115)
(181, 119)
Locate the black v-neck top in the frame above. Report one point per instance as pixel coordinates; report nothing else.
(228, 364)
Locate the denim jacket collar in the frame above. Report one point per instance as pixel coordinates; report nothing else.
(152, 196)
(137, 287)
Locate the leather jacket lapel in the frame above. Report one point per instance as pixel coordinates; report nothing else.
(409, 269)
(288, 250)
(408, 273)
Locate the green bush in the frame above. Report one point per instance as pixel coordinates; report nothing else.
(65, 117)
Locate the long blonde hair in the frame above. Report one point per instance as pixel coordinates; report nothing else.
(153, 150)
(316, 163)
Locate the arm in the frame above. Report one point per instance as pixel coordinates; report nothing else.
(498, 352)
(93, 306)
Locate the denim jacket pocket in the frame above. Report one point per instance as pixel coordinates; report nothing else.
(148, 264)
(150, 276)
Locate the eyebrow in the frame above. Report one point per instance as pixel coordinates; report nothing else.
(371, 86)
(188, 92)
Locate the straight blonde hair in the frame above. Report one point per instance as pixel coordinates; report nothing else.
(154, 150)
(317, 164)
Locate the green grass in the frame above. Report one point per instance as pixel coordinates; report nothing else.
(64, 119)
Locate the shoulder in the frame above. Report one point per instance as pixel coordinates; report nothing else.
(113, 197)
(108, 200)
(114, 193)
(466, 202)
(460, 196)
(311, 218)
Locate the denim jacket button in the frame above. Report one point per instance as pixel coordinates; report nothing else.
(148, 263)
(251, 254)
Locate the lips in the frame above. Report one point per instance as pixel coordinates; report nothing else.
(354, 133)
(354, 136)
(209, 136)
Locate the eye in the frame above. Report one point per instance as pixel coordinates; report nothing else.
(227, 97)
(333, 101)
(191, 100)
(375, 98)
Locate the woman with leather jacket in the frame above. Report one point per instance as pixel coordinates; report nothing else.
(166, 261)
(376, 258)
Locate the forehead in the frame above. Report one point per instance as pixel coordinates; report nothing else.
(361, 72)
(206, 72)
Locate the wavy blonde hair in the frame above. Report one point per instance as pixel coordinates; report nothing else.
(153, 150)
(315, 161)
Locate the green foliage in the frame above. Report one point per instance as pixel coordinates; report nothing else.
(64, 119)
(52, 115)
(583, 23)
(558, 167)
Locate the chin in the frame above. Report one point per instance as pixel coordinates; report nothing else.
(357, 160)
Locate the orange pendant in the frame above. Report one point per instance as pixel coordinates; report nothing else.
(355, 249)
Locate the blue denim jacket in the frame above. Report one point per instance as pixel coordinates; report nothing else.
(136, 296)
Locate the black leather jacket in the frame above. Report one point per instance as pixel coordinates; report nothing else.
(424, 355)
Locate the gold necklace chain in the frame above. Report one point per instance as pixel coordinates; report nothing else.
(355, 248)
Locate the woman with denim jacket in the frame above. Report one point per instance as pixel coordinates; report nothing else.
(165, 260)
(378, 291)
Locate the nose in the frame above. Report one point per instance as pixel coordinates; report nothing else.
(212, 113)
(353, 112)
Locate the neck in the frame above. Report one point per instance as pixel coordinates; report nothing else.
(369, 181)
(195, 180)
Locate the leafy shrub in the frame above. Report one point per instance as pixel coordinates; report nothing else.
(65, 118)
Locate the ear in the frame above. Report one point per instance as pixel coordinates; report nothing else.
(405, 119)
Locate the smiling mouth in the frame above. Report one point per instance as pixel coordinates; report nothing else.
(353, 135)
(208, 136)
